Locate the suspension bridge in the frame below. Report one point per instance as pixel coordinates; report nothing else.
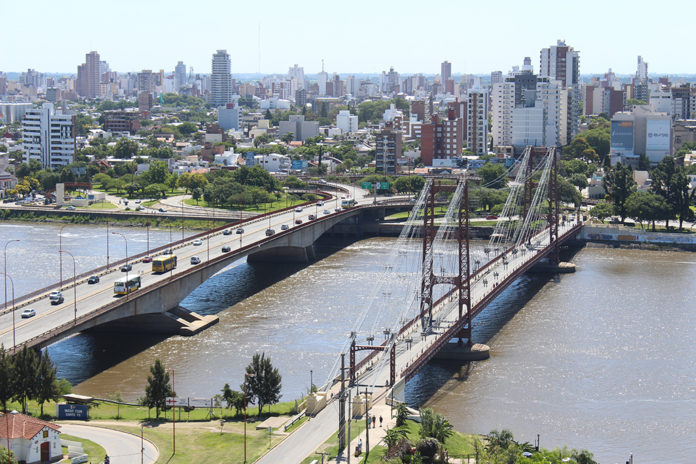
(424, 302)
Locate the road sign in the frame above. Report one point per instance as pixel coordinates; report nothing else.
(200, 402)
(176, 401)
(384, 186)
(366, 185)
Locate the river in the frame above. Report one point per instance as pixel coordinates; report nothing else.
(601, 359)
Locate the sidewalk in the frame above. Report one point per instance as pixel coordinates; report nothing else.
(381, 409)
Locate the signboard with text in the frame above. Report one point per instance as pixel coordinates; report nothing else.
(184, 402)
(366, 185)
(622, 137)
(71, 412)
(657, 135)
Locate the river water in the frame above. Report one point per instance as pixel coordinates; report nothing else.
(601, 359)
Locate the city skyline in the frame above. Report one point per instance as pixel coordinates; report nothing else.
(369, 38)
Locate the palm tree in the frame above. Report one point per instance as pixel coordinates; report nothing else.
(394, 436)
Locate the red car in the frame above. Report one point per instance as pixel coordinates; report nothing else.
(491, 216)
(147, 259)
(298, 221)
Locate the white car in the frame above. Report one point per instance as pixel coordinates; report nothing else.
(298, 209)
(197, 243)
(27, 313)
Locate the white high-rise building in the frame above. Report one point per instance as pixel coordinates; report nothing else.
(179, 75)
(642, 71)
(562, 63)
(502, 105)
(297, 73)
(346, 122)
(49, 136)
(322, 79)
(221, 79)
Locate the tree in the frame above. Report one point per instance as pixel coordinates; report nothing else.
(619, 184)
(6, 391)
(401, 415)
(493, 175)
(7, 456)
(158, 388)
(47, 383)
(583, 457)
(602, 211)
(394, 436)
(578, 180)
(125, 149)
(664, 182)
(25, 364)
(646, 206)
(263, 382)
(435, 425)
(682, 197)
(287, 138)
(233, 398)
(157, 172)
(187, 128)
(261, 139)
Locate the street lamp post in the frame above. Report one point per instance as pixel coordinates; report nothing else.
(107, 245)
(60, 248)
(5, 268)
(14, 339)
(126, 241)
(245, 413)
(74, 282)
(182, 218)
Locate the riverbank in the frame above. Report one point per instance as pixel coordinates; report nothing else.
(618, 236)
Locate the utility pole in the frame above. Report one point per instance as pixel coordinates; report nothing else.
(350, 417)
(342, 408)
(367, 427)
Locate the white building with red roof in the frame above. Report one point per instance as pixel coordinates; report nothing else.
(31, 440)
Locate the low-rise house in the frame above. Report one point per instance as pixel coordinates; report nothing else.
(31, 440)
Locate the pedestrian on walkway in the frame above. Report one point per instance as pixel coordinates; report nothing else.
(374, 422)
(380, 421)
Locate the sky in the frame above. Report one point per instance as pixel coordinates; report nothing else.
(354, 36)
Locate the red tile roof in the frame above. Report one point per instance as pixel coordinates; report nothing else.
(22, 426)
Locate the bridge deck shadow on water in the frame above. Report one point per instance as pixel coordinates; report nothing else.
(91, 352)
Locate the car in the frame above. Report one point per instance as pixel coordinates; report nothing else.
(168, 252)
(70, 208)
(147, 259)
(27, 313)
(343, 197)
(240, 230)
(326, 211)
(338, 210)
(298, 209)
(139, 208)
(55, 297)
(126, 267)
(197, 243)
(298, 221)
(227, 232)
(226, 249)
(284, 227)
(269, 232)
(94, 279)
(137, 202)
(162, 210)
(322, 181)
(312, 217)
(491, 216)
(195, 260)
(320, 203)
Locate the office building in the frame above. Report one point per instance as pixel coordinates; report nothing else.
(477, 121)
(146, 81)
(301, 129)
(297, 73)
(228, 116)
(639, 132)
(13, 112)
(127, 120)
(387, 150)
(48, 136)
(220, 79)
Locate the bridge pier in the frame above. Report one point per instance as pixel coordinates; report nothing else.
(455, 351)
(284, 255)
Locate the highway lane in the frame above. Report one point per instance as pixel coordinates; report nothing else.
(121, 447)
(91, 297)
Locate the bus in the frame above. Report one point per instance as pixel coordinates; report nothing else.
(347, 203)
(164, 263)
(126, 285)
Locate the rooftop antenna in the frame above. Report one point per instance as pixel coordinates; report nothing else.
(259, 70)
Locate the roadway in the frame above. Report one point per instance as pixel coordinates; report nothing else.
(86, 298)
(374, 375)
(121, 447)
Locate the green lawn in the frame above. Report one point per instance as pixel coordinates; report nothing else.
(149, 203)
(330, 446)
(102, 205)
(263, 208)
(95, 452)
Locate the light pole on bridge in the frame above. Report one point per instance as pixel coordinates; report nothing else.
(14, 338)
(74, 282)
(126, 241)
(5, 268)
(60, 248)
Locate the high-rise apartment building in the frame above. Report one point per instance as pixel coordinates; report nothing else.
(446, 76)
(221, 79)
(442, 139)
(179, 75)
(297, 73)
(642, 69)
(346, 122)
(89, 76)
(496, 76)
(146, 81)
(49, 136)
(477, 121)
(387, 150)
(562, 63)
